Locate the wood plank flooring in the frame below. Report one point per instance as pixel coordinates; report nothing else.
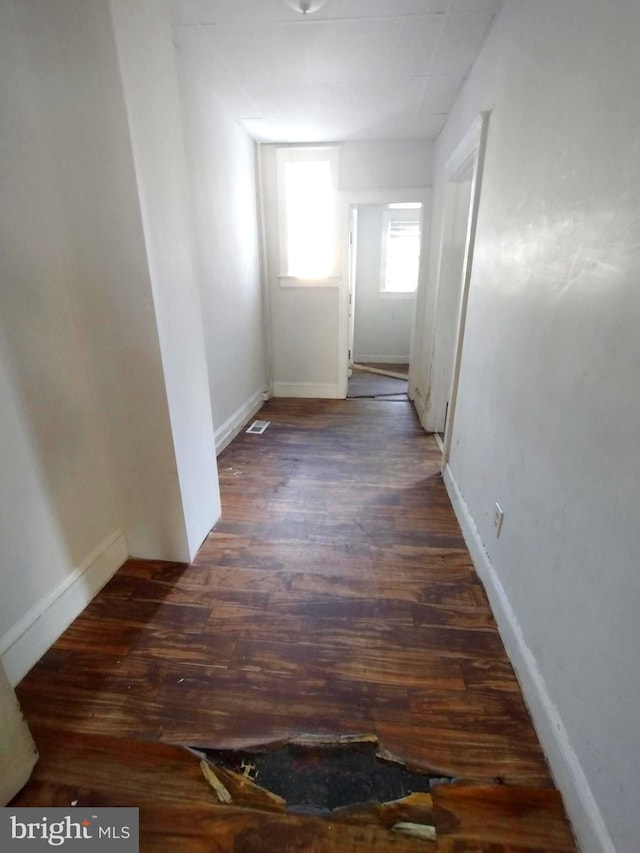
(336, 595)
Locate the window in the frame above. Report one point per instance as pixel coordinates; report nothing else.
(307, 212)
(400, 249)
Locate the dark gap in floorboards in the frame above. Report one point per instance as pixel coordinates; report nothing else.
(317, 779)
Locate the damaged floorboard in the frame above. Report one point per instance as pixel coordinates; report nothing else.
(335, 595)
(180, 812)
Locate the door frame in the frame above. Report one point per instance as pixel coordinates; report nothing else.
(353, 262)
(471, 149)
(347, 201)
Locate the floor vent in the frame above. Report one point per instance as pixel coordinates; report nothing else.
(258, 427)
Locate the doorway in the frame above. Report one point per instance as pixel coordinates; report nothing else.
(354, 338)
(384, 254)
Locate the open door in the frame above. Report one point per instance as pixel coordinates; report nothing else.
(352, 229)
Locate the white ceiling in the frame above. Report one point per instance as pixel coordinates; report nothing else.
(354, 70)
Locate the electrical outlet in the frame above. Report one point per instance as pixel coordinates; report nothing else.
(498, 518)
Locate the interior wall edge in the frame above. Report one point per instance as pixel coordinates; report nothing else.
(264, 269)
(26, 641)
(581, 806)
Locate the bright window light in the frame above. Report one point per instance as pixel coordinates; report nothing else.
(401, 253)
(310, 222)
(307, 215)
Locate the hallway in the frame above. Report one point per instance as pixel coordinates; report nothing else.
(336, 595)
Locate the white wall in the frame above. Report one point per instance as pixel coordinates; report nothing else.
(88, 449)
(147, 63)
(58, 498)
(386, 165)
(222, 159)
(307, 323)
(548, 409)
(383, 321)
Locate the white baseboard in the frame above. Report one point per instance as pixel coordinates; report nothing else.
(25, 643)
(587, 821)
(321, 390)
(382, 359)
(225, 434)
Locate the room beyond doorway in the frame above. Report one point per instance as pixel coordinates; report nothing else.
(379, 380)
(385, 247)
(382, 264)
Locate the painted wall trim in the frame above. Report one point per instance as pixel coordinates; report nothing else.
(225, 434)
(471, 149)
(580, 803)
(264, 269)
(321, 390)
(25, 643)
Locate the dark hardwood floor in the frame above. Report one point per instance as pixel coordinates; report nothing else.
(336, 595)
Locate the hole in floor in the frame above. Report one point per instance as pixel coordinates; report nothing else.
(319, 778)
